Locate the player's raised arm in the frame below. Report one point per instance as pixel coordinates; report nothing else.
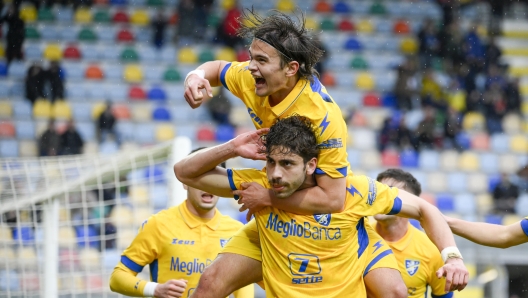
(489, 234)
(202, 78)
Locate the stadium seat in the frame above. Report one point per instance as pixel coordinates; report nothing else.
(165, 132)
(140, 17)
(286, 6)
(46, 15)
(226, 54)
(358, 62)
(445, 203)
(86, 236)
(42, 109)
(22, 109)
(322, 6)
(370, 160)
(3, 69)
(28, 148)
(101, 16)
(8, 148)
(328, 79)
(141, 113)
(353, 44)
(456, 182)
(500, 143)
(136, 92)
(345, 25)
(371, 100)
(89, 258)
(72, 52)
(120, 17)
(187, 55)
(157, 93)
(436, 182)
(25, 130)
(206, 133)
(390, 158)
(83, 15)
(493, 219)
(365, 26)
(463, 140)
(133, 74)
(522, 204)
(53, 52)
(7, 129)
(378, 8)
(342, 7)
(468, 161)
(161, 114)
(6, 110)
(449, 160)
(129, 55)
(64, 14)
(519, 144)
(409, 46)
(473, 121)
(365, 81)
(61, 110)
(31, 33)
(493, 181)
(477, 183)
(28, 13)
(87, 34)
(171, 75)
(401, 27)
(480, 141)
(327, 24)
(125, 35)
(489, 162)
(205, 56)
(508, 163)
(409, 159)
(93, 72)
(465, 204)
(224, 133)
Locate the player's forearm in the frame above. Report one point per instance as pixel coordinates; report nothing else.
(203, 161)
(212, 71)
(124, 281)
(436, 227)
(483, 233)
(313, 200)
(245, 292)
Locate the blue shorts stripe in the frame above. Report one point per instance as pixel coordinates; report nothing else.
(396, 208)
(446, 295)
(131, 264)
(377, 259)
(222, 75)
(231, 181)
(524, 226)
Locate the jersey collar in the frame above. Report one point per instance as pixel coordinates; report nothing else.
(194, 221)
(404, 242)
(287, 102)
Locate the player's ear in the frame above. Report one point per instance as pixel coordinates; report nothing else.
(292, 68)
(311, 166)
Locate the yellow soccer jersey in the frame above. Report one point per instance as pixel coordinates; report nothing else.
(307, 99)
(301, 254)
(379, 253)
(178, 245)
(524, 225)
(419, 259)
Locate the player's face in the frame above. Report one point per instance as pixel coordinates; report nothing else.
(201, 200)
(287, 172)
(394, 183)
(265, 67)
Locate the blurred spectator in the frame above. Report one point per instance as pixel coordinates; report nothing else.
(54, 78)
(71, 141)
(202, 9)
(220, 107)
(452, 127)
(406, 85)
(227, 30)
(15, 34)
(50, 141)
(425, 133)
(451, 40)
(505, 195)
(492, 52)
(494, 109)
(432, 92)
(159, 24)
(406, 138)
(429, 43)
(466, 78)
(522, 174)
(473, 48)
(106, 124)
(495, 78)
(186, 22)
(388, 136)
(35, 82)
(513, 96)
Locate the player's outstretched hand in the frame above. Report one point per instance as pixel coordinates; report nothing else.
(456, 274)
(253, 196)
(171, 289)
(249, 145)
(193, 90)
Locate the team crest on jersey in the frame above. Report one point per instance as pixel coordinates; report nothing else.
(223, 242)
(323, 219)
(412, 266)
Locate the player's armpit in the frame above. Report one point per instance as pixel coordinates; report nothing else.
(124, 281)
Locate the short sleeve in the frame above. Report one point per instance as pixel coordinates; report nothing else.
(524, 225)
(331, 142)
(239, 176)
(236, 78)
(144, 249)
(369, 197)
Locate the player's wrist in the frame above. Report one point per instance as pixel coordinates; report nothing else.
(150, 289)
(198, 72)
(451, 252)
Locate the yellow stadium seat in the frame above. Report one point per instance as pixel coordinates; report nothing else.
(519, 144)
(187, 55)
(133, 74)
(6, 255)
(484, 203)
(471, 292)
(125, 237)
(53, 52)
(27, 148)
(138, 194)
(511, 123)
(226, 54)
(436, 182)
(164, 132)
(61, 110)
(89, 258)
(5, 109)
(26, 256)
(449, 160)
(83, 15)
(42, 109)
(140, 17)
(364, 26)
(518, 71)
(508, 163)
(28, 13)
(409, 46)
(515, 51)
(227, 4)
(365, 81)
(477, 183)
(286, 5)
(91, 148)
(468, 161)
(67, 237)
(5, 234)
(311, 23)
(97, 109)
(474, 121)
(64, 215)
(141, 112)
(510, 219)
(122, 216)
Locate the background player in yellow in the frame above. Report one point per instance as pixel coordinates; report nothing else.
(291, 162)
(279, 81)
(489, 234)
(177, 244)
(417, 256)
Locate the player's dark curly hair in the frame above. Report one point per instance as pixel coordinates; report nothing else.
(407, 178)
(288, 37)
(294, 134)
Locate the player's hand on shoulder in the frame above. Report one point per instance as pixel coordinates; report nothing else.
(170, 289)
(249, 145)
(455, 273)
(253, 197)
(194, 87)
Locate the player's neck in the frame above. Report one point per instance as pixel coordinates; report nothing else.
(392, 230)
(202, 214)
(277, 97)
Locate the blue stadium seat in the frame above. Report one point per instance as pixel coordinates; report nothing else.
(69, 35)
(3, 69)
(81, 111)
(73, 71)
(8, 148)
(64, 15)
(76, 91)
(4, 88)
(493, 181)
(522, 205)
(389, 100)
(457, 182)
(25, 130)
(187, 130)
(144, 133)
(24, 234)
(22, 109)
(159, 196)
(465, 204)
(342, 7)
(353, 44)
(500, 143)
(429, 160)
(17, 89)
(113, 72)
(489, 162)
(155, 173)
(445, 203)
(117, 93)
(125, 130)
(9, 281)
(119, 2)
(49, 33)
(156, 93)
(86, 236)
(463, 140)
(415, 224)
(161, 114)
(86, 130)
(17, 70)
(409, 159)
(33, 51)
(91, 52)
(493, 219)
(224, 133)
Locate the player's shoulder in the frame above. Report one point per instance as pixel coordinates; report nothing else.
(229, 223)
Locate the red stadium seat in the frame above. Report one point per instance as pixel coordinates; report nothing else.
(101, 2)
(137, 92)
(401, 27)
(243, 55)
(120, 17)
(206, 134)
(328, 79)
(323, 6)
(346, 25)
(358, 119)
(480, 141)
(72, 52)
(94, 72)
(371, 100)
(125, 35)
(390, 158)
(7, 130)
(121, 111)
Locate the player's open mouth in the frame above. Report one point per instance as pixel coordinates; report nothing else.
(278, 187)
(259, 82)
(207, 197)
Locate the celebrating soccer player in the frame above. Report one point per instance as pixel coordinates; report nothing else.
(177, 244)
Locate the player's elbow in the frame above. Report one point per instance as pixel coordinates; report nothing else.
(114, 282)
(400, 291)
(180, 172)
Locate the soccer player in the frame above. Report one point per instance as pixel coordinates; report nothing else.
(177, 244)
(308, 254)
(489, 234)
(417, 256)
(279, 81)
